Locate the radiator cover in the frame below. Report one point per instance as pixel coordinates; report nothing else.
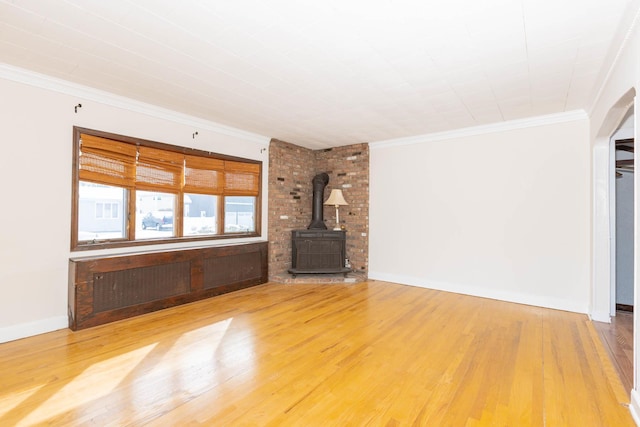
(105, 289)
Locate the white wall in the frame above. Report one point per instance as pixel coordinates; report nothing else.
(36, 136)
(501, 214)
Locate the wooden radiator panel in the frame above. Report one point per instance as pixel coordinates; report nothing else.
(231, 269)
(124, 288)
(105, 289)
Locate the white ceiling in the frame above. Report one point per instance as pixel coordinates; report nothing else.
(331, 72)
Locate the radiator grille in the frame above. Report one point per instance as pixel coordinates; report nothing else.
(227, 270)
(124, 288)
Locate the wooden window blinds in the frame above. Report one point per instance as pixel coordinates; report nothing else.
(241, 179)
(129, 165)
(203, 175)
(159, 170)
(107, 162)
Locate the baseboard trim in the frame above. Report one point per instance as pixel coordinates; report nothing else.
(604, 317)
(24, 330)
(634, 407)
(515, 297)
(624, 307)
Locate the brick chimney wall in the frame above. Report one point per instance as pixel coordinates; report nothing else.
(348, 169)
(291, 170)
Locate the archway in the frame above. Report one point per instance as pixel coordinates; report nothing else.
(603, 186)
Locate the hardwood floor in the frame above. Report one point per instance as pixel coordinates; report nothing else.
(365, 354)
(617, 338)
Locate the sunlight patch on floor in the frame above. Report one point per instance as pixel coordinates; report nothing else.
(104, 378)
(11, 401)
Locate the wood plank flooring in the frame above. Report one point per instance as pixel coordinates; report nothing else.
(366, 354)
(617, 338)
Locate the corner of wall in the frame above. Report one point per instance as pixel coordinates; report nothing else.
(291, 169)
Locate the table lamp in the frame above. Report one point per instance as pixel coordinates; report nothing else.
(336, 199)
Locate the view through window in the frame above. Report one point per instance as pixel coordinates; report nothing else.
(131, 191)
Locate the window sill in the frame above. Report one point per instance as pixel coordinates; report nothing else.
(98, 245)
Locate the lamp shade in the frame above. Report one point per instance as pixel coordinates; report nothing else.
(336, 199)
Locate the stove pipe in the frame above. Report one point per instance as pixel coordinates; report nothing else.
(317, 221)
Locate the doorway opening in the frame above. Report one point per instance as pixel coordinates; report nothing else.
(618, 124)
(617, 336)
(623, 217)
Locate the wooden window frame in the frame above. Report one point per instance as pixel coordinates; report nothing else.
(251, 168)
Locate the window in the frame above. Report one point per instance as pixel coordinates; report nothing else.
(155, 214)
(200, 213)
(129, 191)
(239, 213)
(100, 212)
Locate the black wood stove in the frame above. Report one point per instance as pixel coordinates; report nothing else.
(316, 249)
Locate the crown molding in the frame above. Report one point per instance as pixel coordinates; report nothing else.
(549, 119)
(31, 78)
